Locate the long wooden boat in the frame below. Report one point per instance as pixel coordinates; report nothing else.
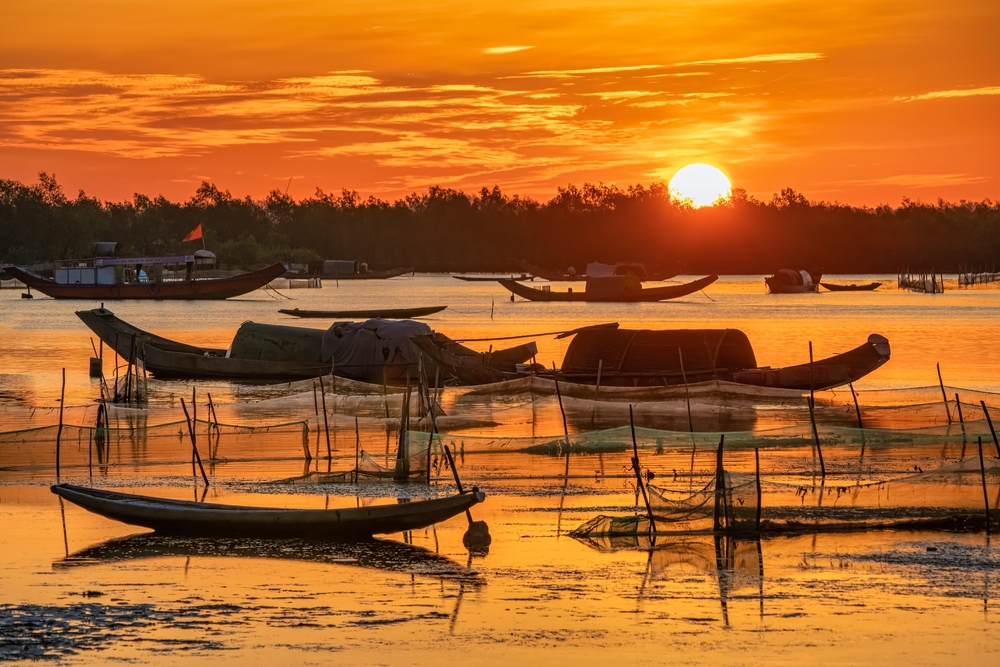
(195, 289)
(489, 279)
(384, 313)
(184, 517)
(643, 358)
(833, 287)
(611, 289)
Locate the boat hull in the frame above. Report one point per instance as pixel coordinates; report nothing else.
(385, 313)
(172, 365)
(833, 287)
(180, 517)
(201, 289)
(646, 294)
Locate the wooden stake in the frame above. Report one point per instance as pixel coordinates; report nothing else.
(756, 458)
(555, 377)
(326, 424)
(944, 396)
(982, 473)
(638, 474)
(357, 448)
(993, 432)
(720, 484)
(62, 401)
(812, 413)
(856, 408)
(458, 482)
(600, 368)
(194, 444)
(687, 393)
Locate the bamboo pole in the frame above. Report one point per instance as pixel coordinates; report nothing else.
(62, 403)
(720, 483)
(555, 377)
(326, 424)
(458, 482)
(944, 396)
(194, 444)
(982, 475)
(856, 408)
(993, 432)
(638, 474)
(357, 448)
(961, 419)
(687, 392)
(756, 458)
(600, 368)
(812, 413)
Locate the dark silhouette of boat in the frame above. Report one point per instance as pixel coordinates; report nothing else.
(791, 281)
(490, 279)
(190, 289)
(471, 367)
(610, 289)
(384, 313)
(185, 517)
(833, 287)
(597, 269)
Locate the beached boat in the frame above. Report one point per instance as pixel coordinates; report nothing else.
(101, 283)
(833, 287)
(184, 517)
(383, 313)
(610, 289)
(640, 358)
(789, 281)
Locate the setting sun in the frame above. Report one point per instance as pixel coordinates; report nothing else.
(702, 184)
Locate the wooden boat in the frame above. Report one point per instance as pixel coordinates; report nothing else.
(597, 269)
(471, 367)
(611, 289)
(789, 281)
(184, 517)
(489, 279)
(833, 287)
(169, 359)
(384, 313)
(642, 358)
(194, 289)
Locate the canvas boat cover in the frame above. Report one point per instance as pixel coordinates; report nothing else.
(362, 349)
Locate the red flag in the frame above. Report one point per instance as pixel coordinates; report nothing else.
(194, 235)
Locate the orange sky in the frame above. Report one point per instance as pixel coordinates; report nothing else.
(863, 102)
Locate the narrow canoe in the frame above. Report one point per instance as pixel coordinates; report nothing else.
(626, 296)
(833, 287)
(200, 289)
(184, 517)
(383, 313)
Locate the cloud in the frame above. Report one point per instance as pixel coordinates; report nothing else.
(575, 73)
(760, 58)
(917, 180)
(500, 50)
(943, 94)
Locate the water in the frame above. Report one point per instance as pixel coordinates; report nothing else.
(77, 586)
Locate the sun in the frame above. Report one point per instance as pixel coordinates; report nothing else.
(702, 184)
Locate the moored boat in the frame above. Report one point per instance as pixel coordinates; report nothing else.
(834, 287)
(610, 289)
(102, 283)
(184, 517)
(383, 313)
(791, 281)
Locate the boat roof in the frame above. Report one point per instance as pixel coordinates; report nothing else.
(649, 351)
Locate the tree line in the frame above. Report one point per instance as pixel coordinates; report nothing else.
(448, 230)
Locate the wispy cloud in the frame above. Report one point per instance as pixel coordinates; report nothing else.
(500, 50)
(759, 58)
(916, 180)
(575, 73)
(944, 94)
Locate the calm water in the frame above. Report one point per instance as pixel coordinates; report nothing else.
(76, 585)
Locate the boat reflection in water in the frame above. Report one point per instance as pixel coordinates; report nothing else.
(377, 554)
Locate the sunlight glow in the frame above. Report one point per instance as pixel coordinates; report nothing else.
(702, 184)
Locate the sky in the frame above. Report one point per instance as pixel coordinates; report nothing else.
(861, 102)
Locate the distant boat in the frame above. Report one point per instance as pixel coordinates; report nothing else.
(348, 269)
(833, 287)
(790, 281)
(490, 279)
(184, 517)
(383, 313)
(598, 270)
(610, 289)
(103, 283)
